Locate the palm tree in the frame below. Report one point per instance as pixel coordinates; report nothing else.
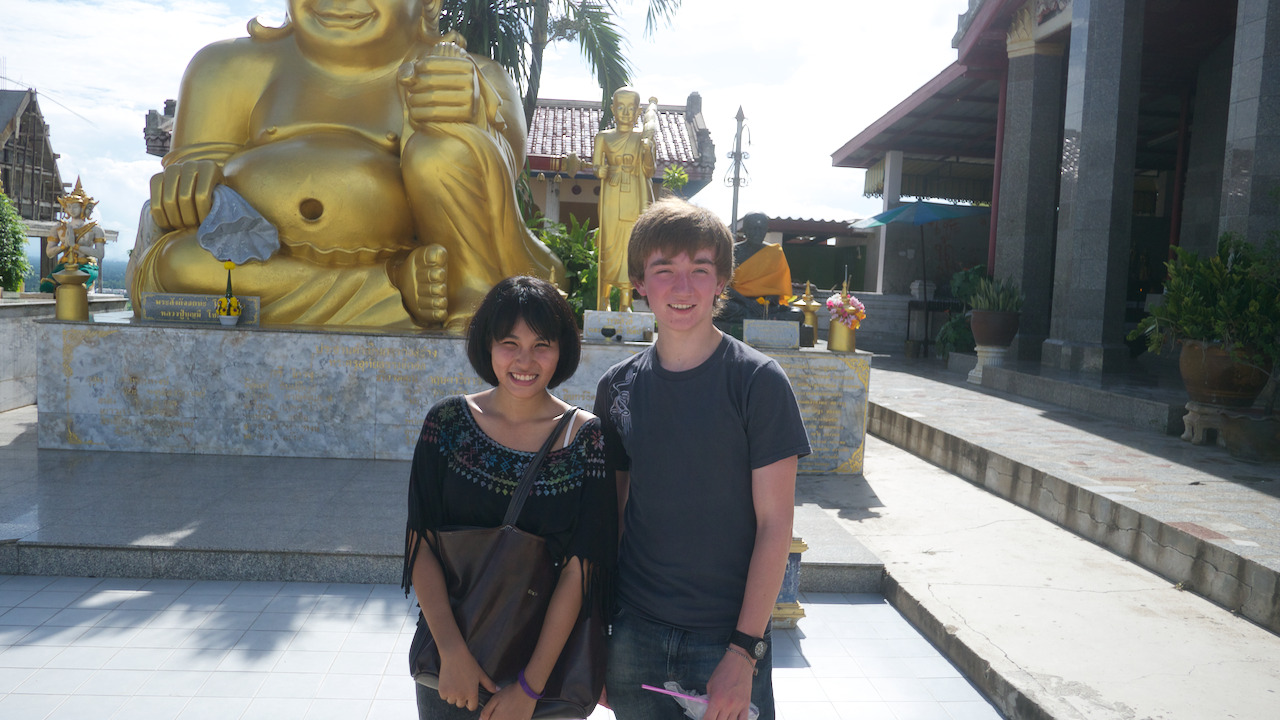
(515, 33)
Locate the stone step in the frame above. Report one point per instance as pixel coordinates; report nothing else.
(1186, 553)
(834, 562)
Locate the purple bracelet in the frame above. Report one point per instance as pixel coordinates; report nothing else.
(524, 685)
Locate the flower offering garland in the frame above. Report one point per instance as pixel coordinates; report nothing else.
(847, 309)
(229, 304)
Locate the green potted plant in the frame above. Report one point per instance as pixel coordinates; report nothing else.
(955, 334)
(996, 307)
(13, 247)
(1224, 310)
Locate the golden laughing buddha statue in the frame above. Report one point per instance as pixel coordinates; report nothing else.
(384, 154)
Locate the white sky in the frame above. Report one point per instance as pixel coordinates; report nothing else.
(808, 74)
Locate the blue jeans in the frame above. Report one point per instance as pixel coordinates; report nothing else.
(647, 653)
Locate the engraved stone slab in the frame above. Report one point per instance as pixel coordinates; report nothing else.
(137, 387)
(832, 391)
(771, 333)
(630, 326)
(193, 309)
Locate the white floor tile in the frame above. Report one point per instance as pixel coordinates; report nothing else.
(305, 661)
(291, 685)
(864, 711)
(951, 690)
(919, 710)
(250, 660)
(29, 706)
(174, 683)
(29, 656)
(231, 684)
(349, 686)
(139, 658)
(361, 663)
(11, 678)
(808, 711)
(150, 708)
(339, 709)
(848, 689)
(213, 708)
(53, 682)
(124, 683)
(80, 707)
(393, 709)
(89, 658)
(271, 708)
(980, 710)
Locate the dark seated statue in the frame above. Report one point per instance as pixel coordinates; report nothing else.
(760, 271)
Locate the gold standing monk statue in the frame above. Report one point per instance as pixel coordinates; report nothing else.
(760, 271)
(383, 153)
(624, 162)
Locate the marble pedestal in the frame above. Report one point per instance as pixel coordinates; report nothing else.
(309, 393)
(988, 356)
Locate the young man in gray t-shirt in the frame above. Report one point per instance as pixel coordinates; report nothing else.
(704, 434)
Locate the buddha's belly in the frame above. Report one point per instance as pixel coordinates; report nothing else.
(334, 197)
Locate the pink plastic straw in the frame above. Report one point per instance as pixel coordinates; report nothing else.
(665, 691)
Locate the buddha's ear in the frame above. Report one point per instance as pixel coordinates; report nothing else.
(431, 10)
(431, 18)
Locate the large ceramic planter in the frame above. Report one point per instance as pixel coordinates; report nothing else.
(1212, 376)
(993, 328)
(1251, 435)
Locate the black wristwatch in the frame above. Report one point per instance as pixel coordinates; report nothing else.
(755, 647)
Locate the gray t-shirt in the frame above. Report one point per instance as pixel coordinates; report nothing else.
(690, 440)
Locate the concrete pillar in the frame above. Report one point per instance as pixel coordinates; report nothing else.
(552, 210)
(1028, 218)
(892, 196)
(1251, 172)
(1095, 197)
(1202, 194)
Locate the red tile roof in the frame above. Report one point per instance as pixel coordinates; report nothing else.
(563, 126)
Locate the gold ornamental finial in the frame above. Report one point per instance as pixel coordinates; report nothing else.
(78, 195)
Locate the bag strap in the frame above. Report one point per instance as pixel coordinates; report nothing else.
(531, 471)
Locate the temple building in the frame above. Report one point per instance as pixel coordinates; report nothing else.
(28, 165)
(1101, 133)
(560, 127)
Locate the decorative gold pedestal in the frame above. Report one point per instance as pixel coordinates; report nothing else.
(71, 297)
(786, 610)
(840, 338)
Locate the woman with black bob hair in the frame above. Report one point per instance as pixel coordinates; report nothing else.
(471, 455)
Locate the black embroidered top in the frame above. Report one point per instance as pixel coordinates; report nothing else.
(461, 477)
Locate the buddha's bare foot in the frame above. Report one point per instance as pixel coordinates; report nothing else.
(421, 279)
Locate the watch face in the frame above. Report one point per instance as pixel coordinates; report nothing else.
(758, 649)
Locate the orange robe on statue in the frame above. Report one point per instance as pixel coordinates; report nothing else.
(763, 274)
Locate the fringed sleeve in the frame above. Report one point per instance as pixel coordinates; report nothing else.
(595, 535)
(426, 492)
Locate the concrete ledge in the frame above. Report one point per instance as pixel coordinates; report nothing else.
(1210, 570)
(841, 578)
(18, 366)
(1005, 695)
(247, 565)
(173, 563)
(1137, 412)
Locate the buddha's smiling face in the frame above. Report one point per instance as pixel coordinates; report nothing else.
(357, 25)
